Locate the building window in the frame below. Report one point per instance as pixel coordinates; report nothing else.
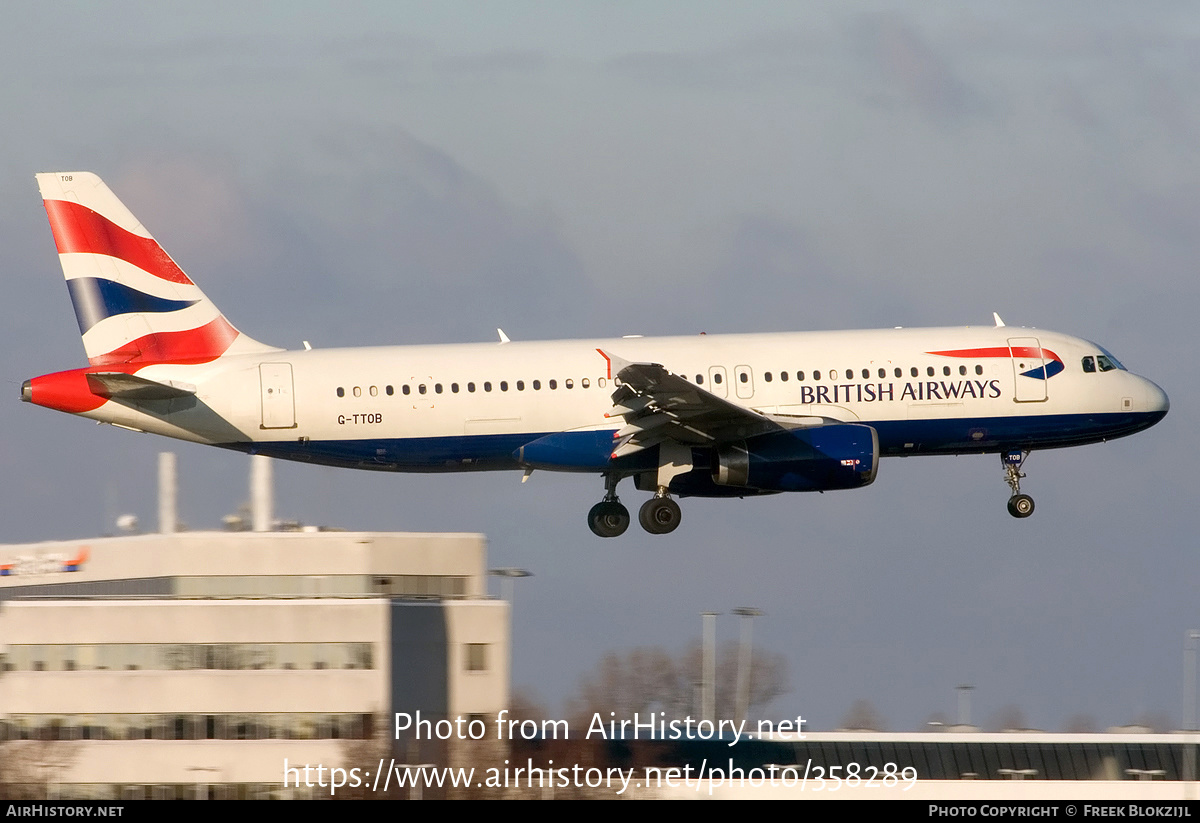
(477, 657)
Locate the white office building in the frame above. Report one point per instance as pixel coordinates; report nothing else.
(195, 664)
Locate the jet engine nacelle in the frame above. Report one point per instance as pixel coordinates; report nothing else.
(822, 458)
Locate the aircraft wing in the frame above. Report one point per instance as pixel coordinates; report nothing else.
(658, 406)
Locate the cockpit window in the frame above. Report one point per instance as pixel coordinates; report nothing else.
(1089, 364)
(1108, 356)
(1106, 361)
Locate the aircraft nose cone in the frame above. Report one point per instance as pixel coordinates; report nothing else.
(1157, 400)
(27, 391)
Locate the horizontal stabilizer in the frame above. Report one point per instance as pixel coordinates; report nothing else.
(122, 386)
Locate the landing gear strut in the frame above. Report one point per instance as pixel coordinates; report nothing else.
(660, 514)
(609, 518)
(1019, 505)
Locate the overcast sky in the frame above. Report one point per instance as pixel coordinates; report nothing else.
(399, 173)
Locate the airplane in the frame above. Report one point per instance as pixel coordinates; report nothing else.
(697, 416)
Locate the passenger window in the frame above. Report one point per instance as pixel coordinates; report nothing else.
(503, 385)
(1089, 364)
(929, 371)
(374, 391)
(569, 383)
(537, 385)
(867, 374)
(882, 373)
(437, 387)
(454, 388)
(388, 389)
(816, 375)
(421, 389)
(783, 376)
(699, 380)
(342, 392)
(600, 382)
(832, 374)
(520, 385)
(487, 386)
(767, 376)
(471, 387)
(717, 377)
(800, 376)
(357, 391)
(405, 389)
(913, 371)
(978, 369)
(899, 372)
(585, 383)
(554, 384)
(745, 378)
(946, 370)
(962, 369)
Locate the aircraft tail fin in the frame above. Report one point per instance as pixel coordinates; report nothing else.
(133, 303)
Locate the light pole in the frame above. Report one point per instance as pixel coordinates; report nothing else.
(507, 576)
(708, 669)
(744, 660)
(964, 704)
(1189, 703)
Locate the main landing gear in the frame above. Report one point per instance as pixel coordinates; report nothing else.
(660, 514)
(609, 518)
(1019, 505)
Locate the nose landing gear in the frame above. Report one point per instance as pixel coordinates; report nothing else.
(1019, 505)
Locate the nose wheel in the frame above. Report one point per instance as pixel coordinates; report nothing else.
(1019, 505)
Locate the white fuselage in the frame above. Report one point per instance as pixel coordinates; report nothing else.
(471, 406)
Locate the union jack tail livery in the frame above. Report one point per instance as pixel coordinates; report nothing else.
(133, 303)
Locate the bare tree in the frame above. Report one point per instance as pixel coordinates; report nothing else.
(1009, 718)
(1156, 721)
(863, 716)
(1081, 724)
(651, 680)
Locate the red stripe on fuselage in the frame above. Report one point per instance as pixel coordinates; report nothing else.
(200, 345)
(79, 229)
(1001, 351)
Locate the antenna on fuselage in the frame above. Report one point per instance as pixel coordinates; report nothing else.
(996, 317)
(503, 336)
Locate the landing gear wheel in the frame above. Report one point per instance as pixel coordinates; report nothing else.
(1020, 505)
(660, 515)
(608, 518)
